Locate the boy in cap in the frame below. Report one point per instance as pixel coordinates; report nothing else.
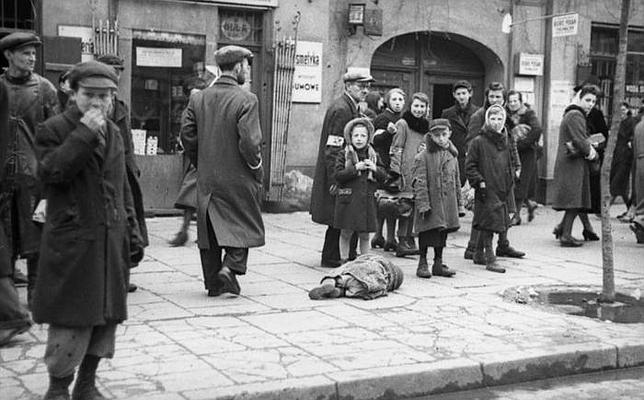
(90, 235)
(32, 99)
(222, 137)
(120, 115)
(341, 111)
(437, 193)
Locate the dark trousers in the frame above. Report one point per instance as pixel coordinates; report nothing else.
(474, 242)
(331, 247)
(235, 258)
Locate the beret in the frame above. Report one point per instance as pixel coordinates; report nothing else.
(111, 59)
(357, 76)
(228, 55)
(93, 74)
(439, 123)
(19, 39)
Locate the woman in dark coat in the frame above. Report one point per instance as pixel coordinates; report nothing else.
(526, 130)
(572, 171)
(491, 171)
(620, 171)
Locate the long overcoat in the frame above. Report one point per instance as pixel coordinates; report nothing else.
(90, 227)
(459, 119)
(527, 149)
(571, 186)
(341, 111)
(31, 101)
(489, 160)
(222, 137)
(620, 172)
(406, 144)
(437, 188)
(638, 159)
(122, 121)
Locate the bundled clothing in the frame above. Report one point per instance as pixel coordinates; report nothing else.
(459, 119)
(526, 131)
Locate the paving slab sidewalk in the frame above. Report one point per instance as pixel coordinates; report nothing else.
(272, 342)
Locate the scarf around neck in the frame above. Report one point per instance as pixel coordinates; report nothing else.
(420, 125)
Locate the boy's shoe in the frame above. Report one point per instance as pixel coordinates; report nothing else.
(508, 251)
(378, 242)
(423, 269)
(325, 291)
(229, 281)
(469, 254)
(440, 269)
(403, 249)
(58, 388)
(390, 245)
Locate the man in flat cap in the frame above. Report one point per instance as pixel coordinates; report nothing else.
(342, 110)
(90, 236)
(32, 99)
(222, 137)
(120, 115)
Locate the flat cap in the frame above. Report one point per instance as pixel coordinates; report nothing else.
(462, 84)
(228, 55)
(357, 76)
(439, 123)
(93, 74)
(111, 59)
(19, 39)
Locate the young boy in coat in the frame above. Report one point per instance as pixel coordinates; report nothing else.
(437, 192)
(357, 171)
(490, 170)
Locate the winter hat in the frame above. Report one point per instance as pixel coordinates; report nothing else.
(439, 124)
(356, 121)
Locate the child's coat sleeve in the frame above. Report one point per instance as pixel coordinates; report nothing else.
(420, 184)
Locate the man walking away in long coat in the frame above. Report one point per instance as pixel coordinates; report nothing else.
(120, 115)
(90, 233)
(222, 137)
(32, 99)
(341, 111)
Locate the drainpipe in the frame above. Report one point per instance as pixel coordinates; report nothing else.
(510, 63)
(112, 9)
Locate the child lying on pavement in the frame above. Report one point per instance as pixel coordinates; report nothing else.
(369, 276)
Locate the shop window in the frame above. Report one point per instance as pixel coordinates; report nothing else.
(18, 14)
(240, 27)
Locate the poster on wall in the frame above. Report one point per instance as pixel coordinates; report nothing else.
(86, 35)
(561, 92)
(158, 57)
(307, 78)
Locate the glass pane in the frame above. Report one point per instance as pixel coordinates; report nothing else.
(240, 26)
(604, 41)
(636, 41)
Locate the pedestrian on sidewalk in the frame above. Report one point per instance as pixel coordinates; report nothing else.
(120, 115)
(409, 141)
(495, 94)
(620, 172)
(572, 187)
(32, 99)
(437, 197)
(357, 172)
(341, 111)
(526, 130)
(222, 137)
(638, 182)
(14, 318)
(367, 277)
(384, 130)
(491, 171)
(90, 236)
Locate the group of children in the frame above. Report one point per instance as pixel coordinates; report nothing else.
(425, 163)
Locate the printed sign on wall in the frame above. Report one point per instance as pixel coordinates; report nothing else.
(307, 79)
(158, 57)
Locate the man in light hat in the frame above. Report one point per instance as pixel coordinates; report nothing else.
(342, 110)
(90, 236)
(222, 137)
(32, 99)
(120, 115)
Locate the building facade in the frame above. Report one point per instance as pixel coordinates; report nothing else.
(419, 45)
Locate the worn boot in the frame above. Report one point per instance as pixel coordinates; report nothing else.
(58, 388)
(423, 269)
(378, 241)
(490, 259)
(403, 248)
(440, 269)
(85, 387)
(412, 245)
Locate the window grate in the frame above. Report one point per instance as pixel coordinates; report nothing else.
(18, 14)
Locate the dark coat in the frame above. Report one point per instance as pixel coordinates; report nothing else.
(6, 266)
(223, 139)
(406, 145)
(437, 188)
(571, 185)
(459, 119)
(638, 158)
(382, 140)
(122, 120)
(31, 101)
(620, 171)
(355, 202)
(527, 148)
(90, 227)
(341, 111)
(489, 160)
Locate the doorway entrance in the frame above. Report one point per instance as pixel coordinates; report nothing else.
(428, 62)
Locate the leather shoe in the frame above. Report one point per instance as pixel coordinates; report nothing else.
(229, 281)
(469, 254)
(509, 251)
(131, 287)
(638, 231)
(330, 263)
(440, 269)
(569, 241)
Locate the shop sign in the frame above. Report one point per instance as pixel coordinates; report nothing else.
(158, 57)
(307, 77)
(565, 25)
(86, 35)
(530, 64)
(235, 28)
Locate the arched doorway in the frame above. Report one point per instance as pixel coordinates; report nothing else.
(429, 62)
